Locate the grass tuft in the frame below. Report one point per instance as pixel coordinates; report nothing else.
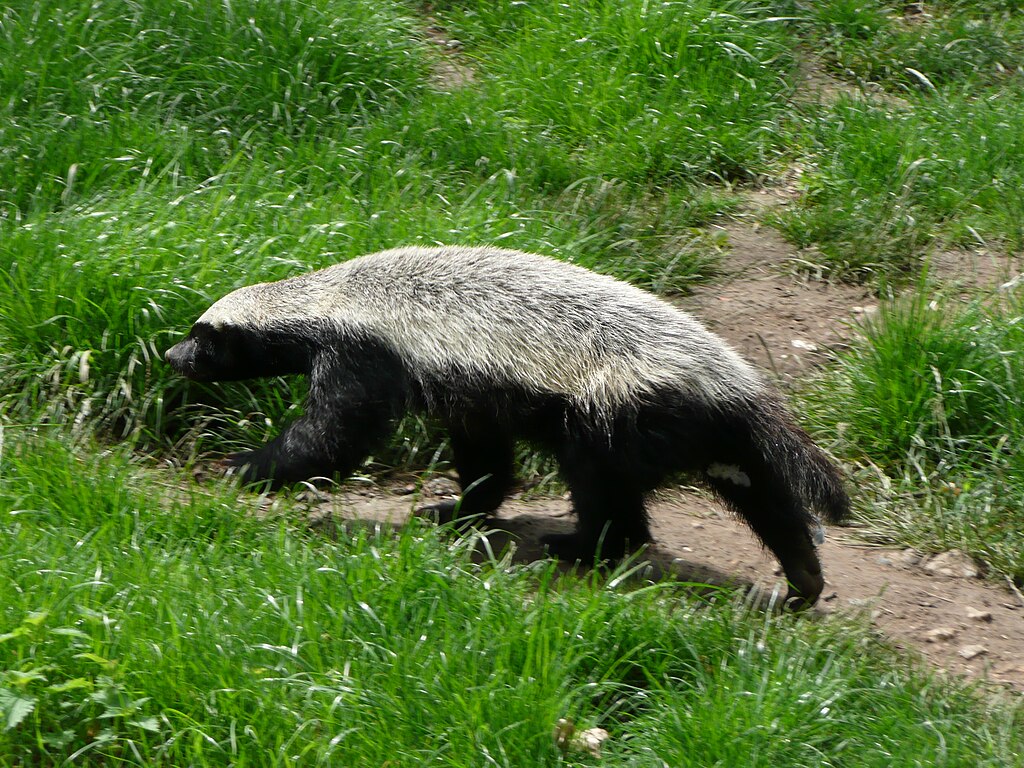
(931, 395)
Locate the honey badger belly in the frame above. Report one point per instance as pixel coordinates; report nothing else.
(620, 386)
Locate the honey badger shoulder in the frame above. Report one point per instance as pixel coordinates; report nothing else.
(620, 386)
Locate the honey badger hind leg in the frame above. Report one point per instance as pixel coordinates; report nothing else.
(483, 455)
(609, 504)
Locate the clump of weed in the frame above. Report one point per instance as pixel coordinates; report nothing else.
(930, 395)
(640, 91)
(930, 372)
(890, 181)
(946, 44)
(97, 91)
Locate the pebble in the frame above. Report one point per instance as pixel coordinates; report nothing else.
(909, 557)
(973, 651)
(940, 634)
(953, 563)
(976, 615)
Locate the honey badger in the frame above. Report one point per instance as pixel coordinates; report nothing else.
(624, 389)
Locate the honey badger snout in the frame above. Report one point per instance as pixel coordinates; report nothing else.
(182, 358)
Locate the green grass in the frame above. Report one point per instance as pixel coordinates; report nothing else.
(932, 163)
(931, 396)
(637, 90)
(944, 170)
(106, 93)
(950, 44)
(148, 622)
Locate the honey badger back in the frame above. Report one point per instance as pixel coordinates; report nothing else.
(621, 387)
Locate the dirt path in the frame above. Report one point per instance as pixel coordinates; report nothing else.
(782, 323)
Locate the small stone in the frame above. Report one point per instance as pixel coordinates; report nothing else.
(940, 634)
(807, 345)
(590, 741)
(441, 486)
(908, 557)
(953, 563)
(973, 651)
(976, 615)
(866, 310)
(696, 525)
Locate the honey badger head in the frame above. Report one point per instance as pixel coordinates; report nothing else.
(240, 338)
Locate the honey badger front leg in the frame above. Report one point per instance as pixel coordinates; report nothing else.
(353, 403)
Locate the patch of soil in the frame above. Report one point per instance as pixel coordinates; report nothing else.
(972, 271)
(782, 323)
(962, 624)
(449, 71)
(815, 84)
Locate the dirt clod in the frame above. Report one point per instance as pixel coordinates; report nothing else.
(976, 615)
(953, 563)
(973, 651)
(940, 634)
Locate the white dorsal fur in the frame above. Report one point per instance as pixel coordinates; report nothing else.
(505, 317)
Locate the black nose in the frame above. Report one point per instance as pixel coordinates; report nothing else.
(180, 357)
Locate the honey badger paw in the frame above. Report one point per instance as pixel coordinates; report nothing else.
(247, 466)
(805, 587)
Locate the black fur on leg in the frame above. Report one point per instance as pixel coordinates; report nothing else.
(781, 523)
(483, 453)
(608, 502)
(768, 470)
(354, 399)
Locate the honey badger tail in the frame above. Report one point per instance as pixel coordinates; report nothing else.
(795, 461)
